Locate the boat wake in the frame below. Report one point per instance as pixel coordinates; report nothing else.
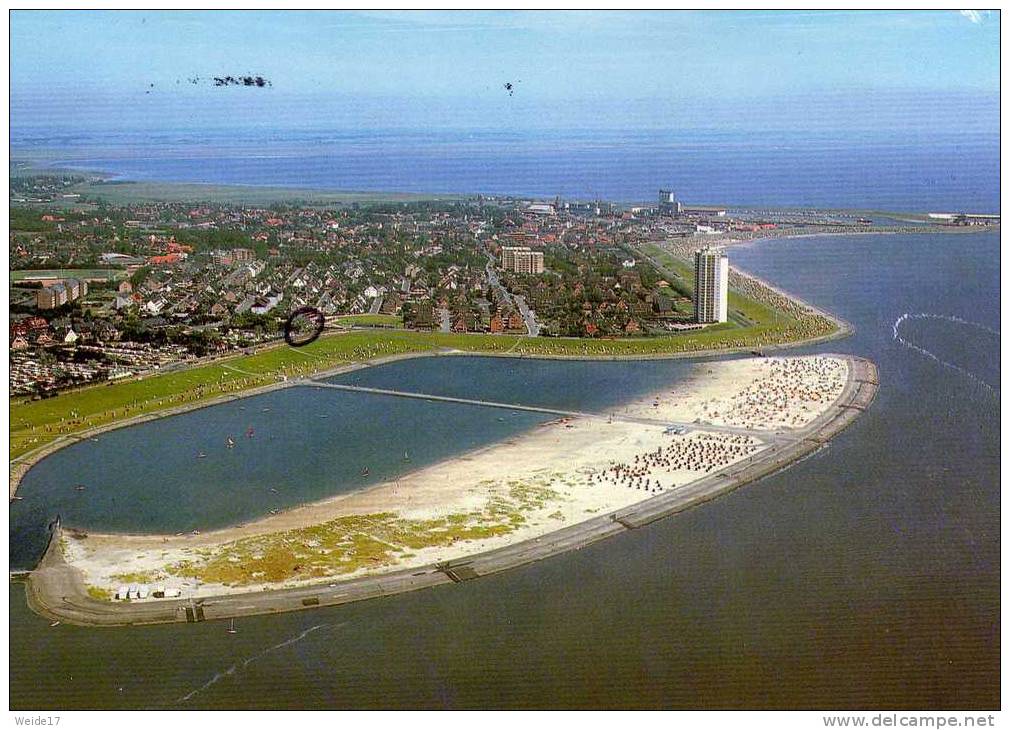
(235, 668)
(896, 327)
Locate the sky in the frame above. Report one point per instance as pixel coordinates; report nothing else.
(860, 70)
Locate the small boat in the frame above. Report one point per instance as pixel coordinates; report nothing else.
(273, 490)
(95, 440)
(365, 472)
(80, 488)
(273, 512)
(265, 410)
(231, 443)
(54, 623)
(17, 498)
(201, 455)
(406, 456)
(250, 433)
(231, 628)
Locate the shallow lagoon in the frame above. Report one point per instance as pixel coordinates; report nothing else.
(301, 444)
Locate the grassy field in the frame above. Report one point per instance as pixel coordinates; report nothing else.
(30, 274)
(746, 313)
(348, 544)
(120, 193)
(370, 320)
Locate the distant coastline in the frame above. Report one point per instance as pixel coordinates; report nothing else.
(739, 171)
(119, 189)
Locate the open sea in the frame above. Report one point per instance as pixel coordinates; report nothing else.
(879, 171)
(865, 576)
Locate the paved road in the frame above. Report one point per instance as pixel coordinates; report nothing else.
(532, 328)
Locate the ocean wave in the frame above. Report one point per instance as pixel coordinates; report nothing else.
(907, 316)
(234, 668)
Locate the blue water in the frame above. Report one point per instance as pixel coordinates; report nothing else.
(866, 576)
(912, 172)
(309, 444)
(562, 384)
(306, 444)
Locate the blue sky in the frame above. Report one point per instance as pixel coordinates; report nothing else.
(720, 69)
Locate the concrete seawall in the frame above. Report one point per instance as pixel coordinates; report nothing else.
(57, 590)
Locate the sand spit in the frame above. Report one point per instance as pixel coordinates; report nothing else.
(555, 476)
(486, 512)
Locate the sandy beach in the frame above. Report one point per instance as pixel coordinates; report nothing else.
(553, 476)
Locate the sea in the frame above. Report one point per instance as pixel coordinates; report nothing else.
(884, 171)
(864, 576)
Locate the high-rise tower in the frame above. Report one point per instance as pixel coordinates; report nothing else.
(711, 285)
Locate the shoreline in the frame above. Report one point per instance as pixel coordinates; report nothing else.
(49, 161)
(56, 588)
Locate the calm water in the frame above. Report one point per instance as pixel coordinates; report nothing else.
(879, 171)
(305, 443)
(866, 576)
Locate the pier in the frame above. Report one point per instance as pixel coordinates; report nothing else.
(771, 435)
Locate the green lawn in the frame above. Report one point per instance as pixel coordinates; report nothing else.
(752, 310)
(370, 320)
(120, 193)
(107, 274)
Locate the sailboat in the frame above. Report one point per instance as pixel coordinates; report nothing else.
(406, 456)
(231, 628)
(365, 472)
(231, 442)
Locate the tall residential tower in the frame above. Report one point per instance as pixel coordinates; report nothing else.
(711, 285)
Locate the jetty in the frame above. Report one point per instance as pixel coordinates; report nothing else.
(57, 590)
(771, 435)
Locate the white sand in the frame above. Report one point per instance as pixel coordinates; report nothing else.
(766, 394)
(593, 465)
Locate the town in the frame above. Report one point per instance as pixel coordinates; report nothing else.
(101, 292)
